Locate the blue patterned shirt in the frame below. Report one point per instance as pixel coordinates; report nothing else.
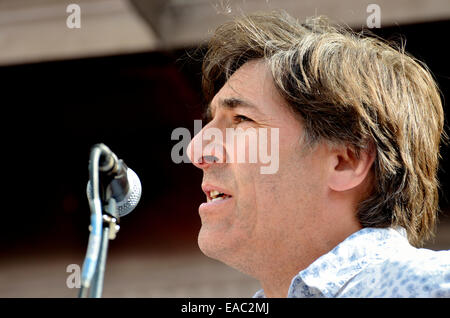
(374, 262)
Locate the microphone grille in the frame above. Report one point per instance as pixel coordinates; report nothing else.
(131, 200)
(133, 196)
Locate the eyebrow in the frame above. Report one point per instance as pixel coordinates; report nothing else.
(230, 103)
(234, 102)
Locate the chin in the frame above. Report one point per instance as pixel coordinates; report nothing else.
(209, 245)
(227, 249)
(219, 243)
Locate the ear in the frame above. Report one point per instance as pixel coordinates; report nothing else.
(348, 170)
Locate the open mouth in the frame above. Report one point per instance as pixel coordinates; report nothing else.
(217, 200)
(214, 195)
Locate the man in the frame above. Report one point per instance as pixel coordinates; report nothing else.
(359, 126)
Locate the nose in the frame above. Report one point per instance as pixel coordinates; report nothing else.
(202, 153)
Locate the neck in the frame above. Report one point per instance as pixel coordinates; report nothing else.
(277, 288)
(276, 276)
(277, 279)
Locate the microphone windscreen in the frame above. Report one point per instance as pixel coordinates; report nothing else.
(131, 199)
(133, 196)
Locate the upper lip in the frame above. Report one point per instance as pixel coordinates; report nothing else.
(207, 188)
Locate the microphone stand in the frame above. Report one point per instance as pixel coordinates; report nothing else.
(110, 229)
(104, 227)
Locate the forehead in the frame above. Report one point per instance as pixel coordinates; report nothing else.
(252, 87)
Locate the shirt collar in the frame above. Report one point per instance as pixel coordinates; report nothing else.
(330, 272)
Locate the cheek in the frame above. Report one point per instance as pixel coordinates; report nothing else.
(286, 199)
(246, 184)
(260, 202)
(260, 193)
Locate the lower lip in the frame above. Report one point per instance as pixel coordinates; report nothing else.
(214, 206)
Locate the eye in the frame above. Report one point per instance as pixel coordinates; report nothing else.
(240, 118)
(207, 115)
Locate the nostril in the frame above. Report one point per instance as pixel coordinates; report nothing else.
(209, 159)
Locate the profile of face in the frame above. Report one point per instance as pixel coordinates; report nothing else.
(261, 217)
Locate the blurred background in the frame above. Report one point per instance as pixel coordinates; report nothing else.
(128, 77)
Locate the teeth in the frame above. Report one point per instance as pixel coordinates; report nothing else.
(214, 193)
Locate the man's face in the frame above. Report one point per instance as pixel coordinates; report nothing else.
(261, 213)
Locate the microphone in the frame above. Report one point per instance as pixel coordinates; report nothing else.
(117, 181)
(110, 182)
